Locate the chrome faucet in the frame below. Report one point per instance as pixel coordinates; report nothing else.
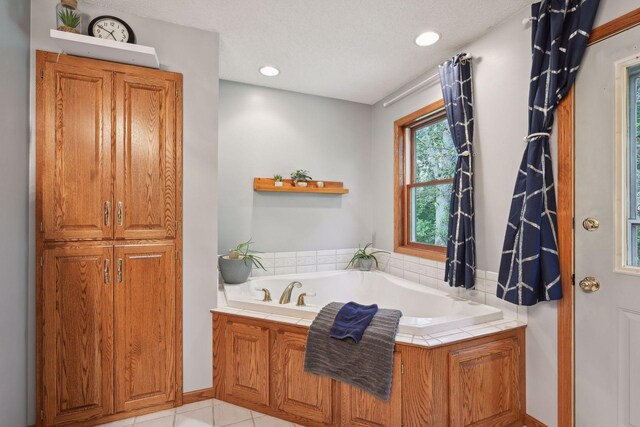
(286, 295)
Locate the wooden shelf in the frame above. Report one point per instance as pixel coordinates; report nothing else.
(108, 50)
(268, 185)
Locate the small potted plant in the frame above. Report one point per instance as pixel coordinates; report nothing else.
(277, 180)
(365, 259)
(68, 17)
(300, 178)
(236, 266)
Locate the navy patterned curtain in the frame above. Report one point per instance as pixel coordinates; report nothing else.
(457, 90)
(530, 267)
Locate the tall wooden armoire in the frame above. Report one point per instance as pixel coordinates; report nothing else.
(109, 240)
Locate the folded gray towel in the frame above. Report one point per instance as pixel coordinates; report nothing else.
(367, 365)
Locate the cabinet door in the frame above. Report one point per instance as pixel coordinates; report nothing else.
(484, 387)
(247, 364)
(77, 334)
(360, 409)
(145, 326)
(296, 391)
(74, 153)
(145, 157)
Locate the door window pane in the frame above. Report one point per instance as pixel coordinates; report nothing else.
(633, 183)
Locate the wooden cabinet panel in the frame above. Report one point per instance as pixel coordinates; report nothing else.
(145, 334)
(75, 158)
(360, 409)
(145, 157)
(484, 385)
(77, 333)
(247, 365)
(296, 391)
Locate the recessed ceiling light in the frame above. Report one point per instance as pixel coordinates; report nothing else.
(269, 71)
(427, 39)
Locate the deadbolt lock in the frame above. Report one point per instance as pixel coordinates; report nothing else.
(590, 284)
(591, 224)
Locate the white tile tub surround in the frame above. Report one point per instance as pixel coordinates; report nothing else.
(435, 339)
(419, 270)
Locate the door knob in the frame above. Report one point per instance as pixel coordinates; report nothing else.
(590, 284)
(591, 224)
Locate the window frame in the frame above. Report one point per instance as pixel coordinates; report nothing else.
(404, 174)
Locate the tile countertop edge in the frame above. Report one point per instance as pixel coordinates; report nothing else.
(443, 338)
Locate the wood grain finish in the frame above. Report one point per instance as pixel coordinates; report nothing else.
(78, 306)
(145, 157)
(483, 385)
(197, 395)
(487, 374)
(616, 26)
(566, 171)
(360, 409)
(81, 154)
(402, 173)
(76, 154)
(296, 391)
(268, 185)
(565, 251)
(530, 421)
(247, 368)
(144, 326)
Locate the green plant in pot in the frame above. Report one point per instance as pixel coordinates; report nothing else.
(237, 265)
(300, 177)
(364, 259)
(277, 179)
(68, 20)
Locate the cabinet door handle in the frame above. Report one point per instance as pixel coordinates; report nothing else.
(119, 213)
(119, 270)
(107, 266)
(107, 212)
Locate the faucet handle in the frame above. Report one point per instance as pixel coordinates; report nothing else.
(267, 294)
(301, 302)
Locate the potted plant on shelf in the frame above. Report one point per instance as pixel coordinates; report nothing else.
(365, 259)
(68, 17)
(300, 178)
(277, 180)
(236, 266)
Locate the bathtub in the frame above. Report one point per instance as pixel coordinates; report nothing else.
(425, 310)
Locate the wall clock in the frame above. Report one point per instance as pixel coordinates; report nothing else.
(111, 28)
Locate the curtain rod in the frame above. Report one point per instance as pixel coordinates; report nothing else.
(414, 88)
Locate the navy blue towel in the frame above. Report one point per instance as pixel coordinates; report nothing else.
(352, 320)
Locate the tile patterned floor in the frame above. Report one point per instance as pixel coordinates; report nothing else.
(208, 413)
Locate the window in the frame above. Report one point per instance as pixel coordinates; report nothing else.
(633, 164)
(425, 162)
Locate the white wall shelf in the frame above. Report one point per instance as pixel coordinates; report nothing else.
(109, 50)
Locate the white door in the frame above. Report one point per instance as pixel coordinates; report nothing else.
(607, 321)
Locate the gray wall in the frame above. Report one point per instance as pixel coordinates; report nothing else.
(195, 54)
(501, 81)
(266, 131)
(14, 184)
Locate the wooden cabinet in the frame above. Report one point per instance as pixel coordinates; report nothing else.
(144, 322)
(360, 409)
(108, 206)
(246, 375)
(145, 157)
(484, 387)
(259, 364)
(78, 309)
(296, 391)
(74, 160)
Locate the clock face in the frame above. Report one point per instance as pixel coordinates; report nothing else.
(110, 28)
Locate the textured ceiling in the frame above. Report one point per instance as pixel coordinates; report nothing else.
(358, 50)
